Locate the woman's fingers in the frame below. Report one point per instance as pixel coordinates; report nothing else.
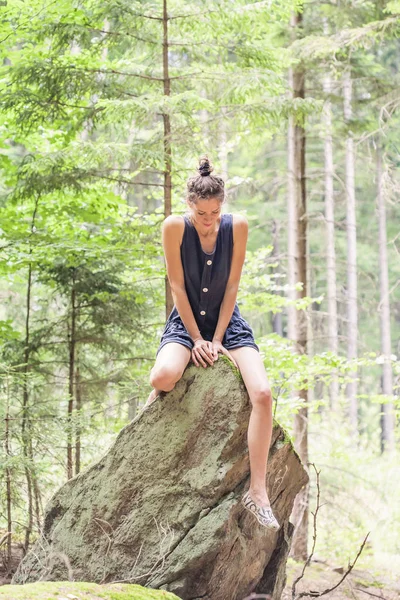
(199, 360)
(201, 354)
(206, 354)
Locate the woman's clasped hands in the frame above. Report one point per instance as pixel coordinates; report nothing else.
(205, 352)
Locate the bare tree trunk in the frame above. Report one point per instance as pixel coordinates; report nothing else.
(25, 434)
(7, 452)
(223, 145)
(169, 302)
(297, 269)
(277, 326)
(292, 225)
(72, 344)
(36, 492)
(25, 424)
(78, 430)
(352, 311)
(330, 238)
(387, 432)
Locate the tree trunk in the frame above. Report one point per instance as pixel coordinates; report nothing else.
(36, 492)
(72, 343)
(330, 238)
(297, 269)
(26, 437)
(169, 302)
(25, 433)
(387, 432)
(277, 326)
(78, 429)
(352, 316)
(8, 473)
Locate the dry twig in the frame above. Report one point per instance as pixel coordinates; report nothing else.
(315, 593)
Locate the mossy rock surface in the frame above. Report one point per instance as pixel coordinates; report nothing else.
(66, 590)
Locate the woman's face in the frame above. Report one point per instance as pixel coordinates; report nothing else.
(206, 213)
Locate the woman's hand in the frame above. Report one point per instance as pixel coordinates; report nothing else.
(218, 347)
(202, 352)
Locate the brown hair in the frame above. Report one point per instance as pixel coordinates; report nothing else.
(204, 185)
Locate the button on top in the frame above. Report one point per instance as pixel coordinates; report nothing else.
(205, 289)
(209, 262)
(202, 312)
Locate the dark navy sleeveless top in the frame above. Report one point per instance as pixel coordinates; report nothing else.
(206, 276)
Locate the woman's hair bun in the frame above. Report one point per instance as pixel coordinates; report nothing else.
(205, 166)
(203, 185)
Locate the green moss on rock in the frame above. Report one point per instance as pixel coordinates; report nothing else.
(235, 370)
(75, 590)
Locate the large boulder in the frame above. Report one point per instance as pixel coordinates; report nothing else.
(162, 507)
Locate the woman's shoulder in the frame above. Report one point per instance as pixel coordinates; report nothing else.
(239, 221)
(174, 223)
(174, 227)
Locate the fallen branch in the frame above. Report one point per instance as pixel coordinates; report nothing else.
(316, 594)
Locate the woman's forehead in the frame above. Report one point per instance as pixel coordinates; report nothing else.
(207, 205)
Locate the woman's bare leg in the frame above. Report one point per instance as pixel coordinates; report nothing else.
(259, 431)
(170, 364)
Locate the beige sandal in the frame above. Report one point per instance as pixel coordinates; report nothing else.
(263, 514)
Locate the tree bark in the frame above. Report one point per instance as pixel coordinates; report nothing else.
(169, 302)
(25, 434)
(25, 424)
(277, 326)
(352, 311)
(387, 431)
(72, 344)
(297, 269)
(7, 452)
(78, 429)
(330, 237)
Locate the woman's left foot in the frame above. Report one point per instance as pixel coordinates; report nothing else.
(152, 396)
(263, 514)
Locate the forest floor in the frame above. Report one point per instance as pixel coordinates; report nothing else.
(360, 584)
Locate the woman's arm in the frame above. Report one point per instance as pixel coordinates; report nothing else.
(171, 235)
(240, 234)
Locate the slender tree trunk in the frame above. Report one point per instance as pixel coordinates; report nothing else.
(36, 491)
(72, 344)
(78, 430)
(169, 302)
(352, 311)
(25, 433)
(330, 238)
(387, 432)
(8, 474)
(277, 326)
(297, 268)
(25, 423)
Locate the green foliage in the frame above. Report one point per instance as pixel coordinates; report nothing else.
(358, 495)
(82, 162)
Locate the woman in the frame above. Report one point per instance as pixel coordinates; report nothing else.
(204, 253)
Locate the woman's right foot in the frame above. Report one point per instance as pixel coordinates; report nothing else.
(261, 510)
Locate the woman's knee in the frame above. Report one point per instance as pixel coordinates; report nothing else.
(164, 377)
(262, 397)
